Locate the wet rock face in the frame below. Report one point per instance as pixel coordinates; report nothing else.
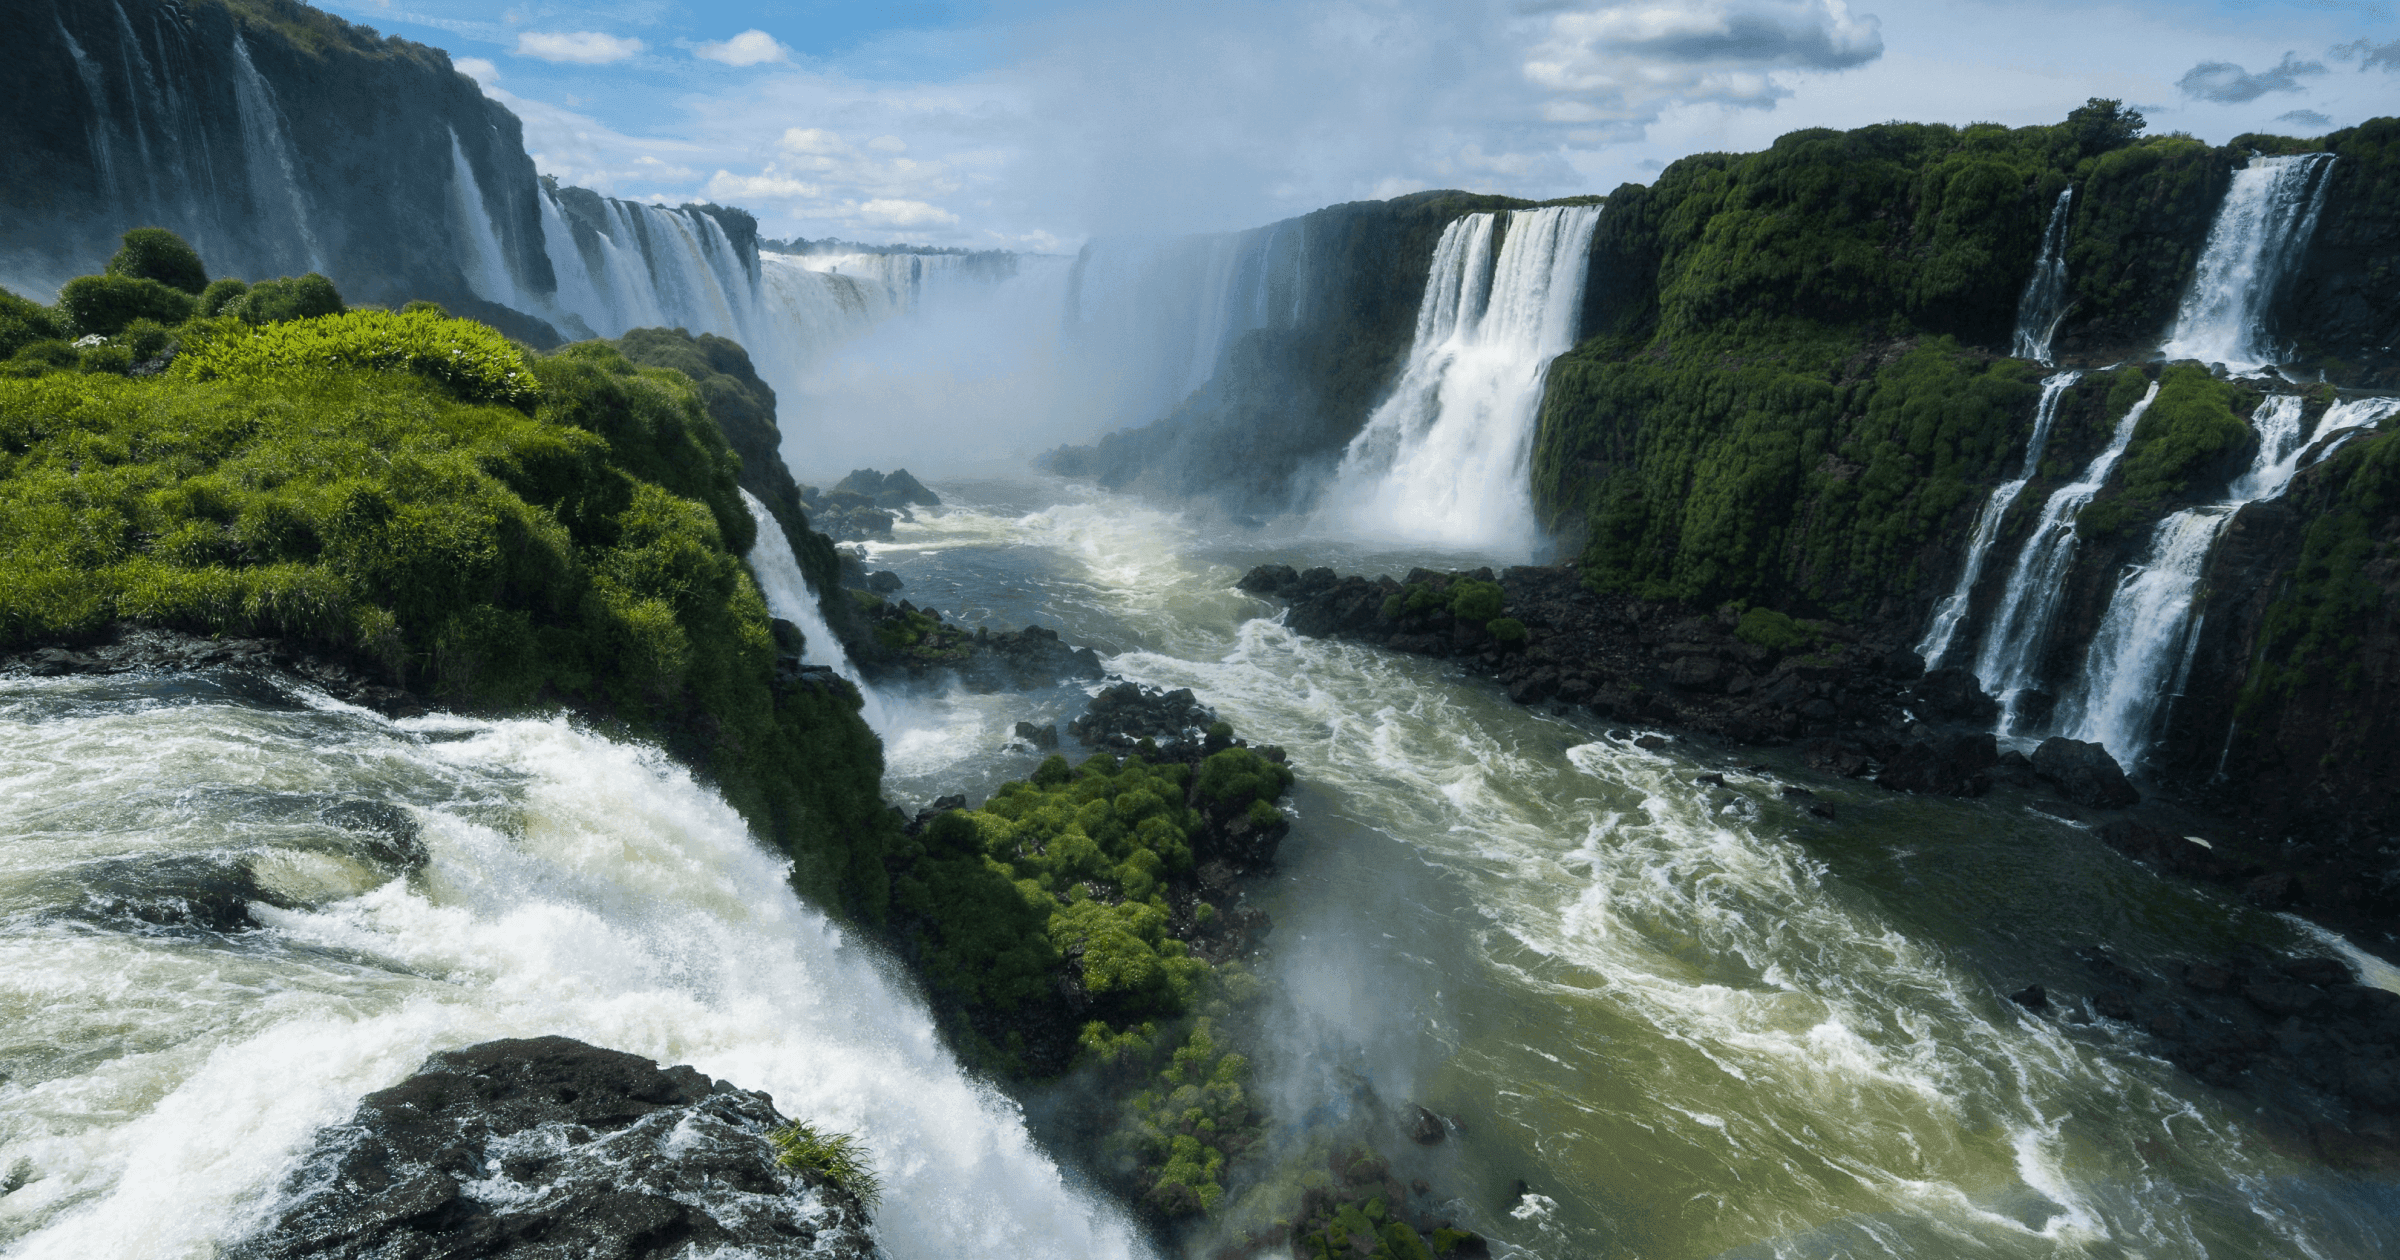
(1122, 716)
(267, 663)
(550, 1147)
(2084, 773)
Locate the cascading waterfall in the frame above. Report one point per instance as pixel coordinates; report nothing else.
(267, 152)
(163, 1080)
(2045, 300)
(790, 597)
(1446, 459)
(1953, 607)
(2141, 656)
(2012, 647)
(1165, 313)
(486, 263)
(2261, 229)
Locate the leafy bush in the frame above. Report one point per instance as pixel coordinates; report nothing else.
(158, 254)
(1774, 631)
(1182, 1130)
(469, 360)
(218, 295)
(292, 297)
(2191, 433)
(22, 323)
(104, 305)
(839, 1157)
(1478, 602)
(1507, 631)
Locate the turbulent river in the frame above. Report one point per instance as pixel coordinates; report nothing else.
(1691, 1020)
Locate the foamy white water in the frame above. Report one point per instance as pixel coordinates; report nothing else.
(2261, 229)
(1953, 608)
(162, 1082)
(1447, 459)
(2044, 302)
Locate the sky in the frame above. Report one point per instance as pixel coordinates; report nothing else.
(1036, 124)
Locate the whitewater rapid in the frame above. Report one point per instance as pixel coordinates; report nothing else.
(161, 1081)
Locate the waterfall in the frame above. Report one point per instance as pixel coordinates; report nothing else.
(1947, 614)
(2010, 661)
(790, 597)
(569, 885)
(267, 153)
(2045, 300)
(2261, 229)
(1156, 318)
(1446, 459)
(486, 264)
(2142, 654)
(102, 159)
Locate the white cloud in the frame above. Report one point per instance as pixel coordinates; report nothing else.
(888, 144)
(1624, 64)
(477, 68)
(813, 140)
(585, 48)
(750, 48)
(893, 212)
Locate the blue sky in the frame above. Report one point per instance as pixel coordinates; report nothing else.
(1033, 124)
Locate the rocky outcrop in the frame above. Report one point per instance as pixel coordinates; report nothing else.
(266, 663)
(550, 1147)
(1126, 716)
(2084, 773)
(863, 506)
(905, 641)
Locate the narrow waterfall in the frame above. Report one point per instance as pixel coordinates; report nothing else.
(2010, 661)
(273, 168)
(2261, 229)
(790, 597)
(486, 262)
(2045, 300)
(1947, 614)
(569, 885)
(1446, 459)
(2142, 654)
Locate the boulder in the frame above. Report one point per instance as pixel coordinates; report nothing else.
(551, 1147)
(2083, 773)
(1942, 764)
(1953, 694)
(1121, 717)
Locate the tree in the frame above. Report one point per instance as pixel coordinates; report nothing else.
(2102, 124)
(158, 254)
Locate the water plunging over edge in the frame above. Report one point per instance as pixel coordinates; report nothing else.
(2261, 229)
(2045, 299)
(790, 597)
(2012, 646)
(1447, 459)
(1947, 614)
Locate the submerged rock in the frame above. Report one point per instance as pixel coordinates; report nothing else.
(550, 1147)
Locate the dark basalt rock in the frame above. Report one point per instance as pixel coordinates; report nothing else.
(1044, 736)
(846, 516)
(895, 490)
(1954, 694)
(2084, 773)
(1943, 764)
(548, 1147)
(1121, 717)
(256, 668)
(906, 641)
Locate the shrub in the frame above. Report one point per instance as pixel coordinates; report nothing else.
(1507, 630)
(158, 254)
(104, 305)
(1478, 602)
(35, 358)
(108, 356)
(24, 322)
(218, 295)
(147, 339)
(1773, 631)
(290, 298)
(839, 1157)
(473, 362)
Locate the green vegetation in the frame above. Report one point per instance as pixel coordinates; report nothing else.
(416, 495)
(1773, 631)
(1464, 598)
(158, 254)
(839, 1157)
(2343, 581)
(2192, 437)
(1193, 1117)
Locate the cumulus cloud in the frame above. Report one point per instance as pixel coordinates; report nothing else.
(2369, 56)
(1620, 65)
(584, 48)
(750, 48)
(2229, 84)
(900, 213)
(2304, 118)
(476, 68)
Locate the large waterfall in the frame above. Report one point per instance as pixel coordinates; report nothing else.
(1165, 312)
(2261, 229)
(1445, 460)
(2010, 661)
(1953, 607)
(2045, 299)
(2142, 653)
(166, 1075)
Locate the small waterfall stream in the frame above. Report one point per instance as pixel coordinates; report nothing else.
(2260, 231)
(1445, 460)
(2012, 647)
(2141, 655)
(2045, 300)
(1953, 607)
(790, 597)
(267, 152)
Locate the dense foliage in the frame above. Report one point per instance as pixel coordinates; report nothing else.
(417, 495)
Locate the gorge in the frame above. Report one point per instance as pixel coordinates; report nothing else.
(1630, 645)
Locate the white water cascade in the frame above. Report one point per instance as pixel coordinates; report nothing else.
(2141, 656)
(1157, 317)
(1953, 607)
(2045, 299)
(486, 263)
(2012, 648)
(267, 152)
(2261, 229)
(1446, 459)
(790, 597)
(165, 1080)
